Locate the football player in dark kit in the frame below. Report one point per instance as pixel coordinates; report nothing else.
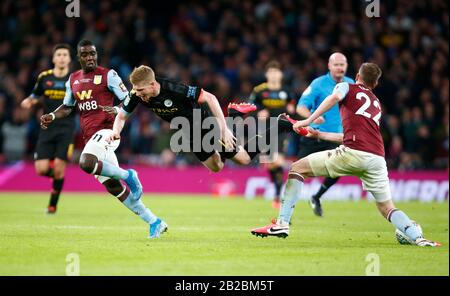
(171, 99)
(54, 143)
(273, 99)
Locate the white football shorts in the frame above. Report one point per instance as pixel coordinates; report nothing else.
(104, 151)
(343, 161)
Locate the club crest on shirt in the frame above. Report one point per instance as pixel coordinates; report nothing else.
(123, 87)
(168, 103)
(97, 79)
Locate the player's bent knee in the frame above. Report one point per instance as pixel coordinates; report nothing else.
(214, 163)
(41, 167)
(244, 160)
(216, 167)
(87, 166)
(242, 157)
(88, 163)
(302, 167)
(41, 171)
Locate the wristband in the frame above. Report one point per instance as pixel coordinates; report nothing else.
(53, 115)
(117, 109)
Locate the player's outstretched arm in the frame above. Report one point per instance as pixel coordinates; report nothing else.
(305, 113)
(326, 105)
(60, 112)
(119, 123)
(113, 110)
(227, 136)
(326, 136)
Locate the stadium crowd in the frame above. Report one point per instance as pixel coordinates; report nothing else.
(223, 47)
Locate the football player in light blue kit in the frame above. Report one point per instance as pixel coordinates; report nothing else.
(310, 100)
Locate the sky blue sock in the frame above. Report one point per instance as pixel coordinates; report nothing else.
(404, 224)
(289, 199)
(139, 209)
(112, 171)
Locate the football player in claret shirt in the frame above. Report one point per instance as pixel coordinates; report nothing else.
(171, 99)
(55, 143)
(273, 99)
(92, 90)
(361, 154)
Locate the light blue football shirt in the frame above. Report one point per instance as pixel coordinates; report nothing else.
(315, 94)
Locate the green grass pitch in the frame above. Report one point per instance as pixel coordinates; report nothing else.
(211, 236)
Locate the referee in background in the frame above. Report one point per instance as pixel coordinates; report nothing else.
(311, 98)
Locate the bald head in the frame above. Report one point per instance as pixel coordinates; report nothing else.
(337, 64)
(337, 57)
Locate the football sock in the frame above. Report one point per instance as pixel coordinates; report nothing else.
(107, 169)
(57, 187)
(138, 207)
(327, 183)
(276, 176)
(290, 197)
(402, 222)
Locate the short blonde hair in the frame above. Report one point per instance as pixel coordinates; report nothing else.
(370, 73)
(142, 74)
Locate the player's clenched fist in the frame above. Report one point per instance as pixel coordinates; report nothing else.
(312, 133)
(113, 110)
(46, 119)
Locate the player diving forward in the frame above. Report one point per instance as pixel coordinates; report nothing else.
(361, 155)
(90, 89)
(170, 99)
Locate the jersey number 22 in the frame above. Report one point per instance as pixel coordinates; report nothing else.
(366, 105)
